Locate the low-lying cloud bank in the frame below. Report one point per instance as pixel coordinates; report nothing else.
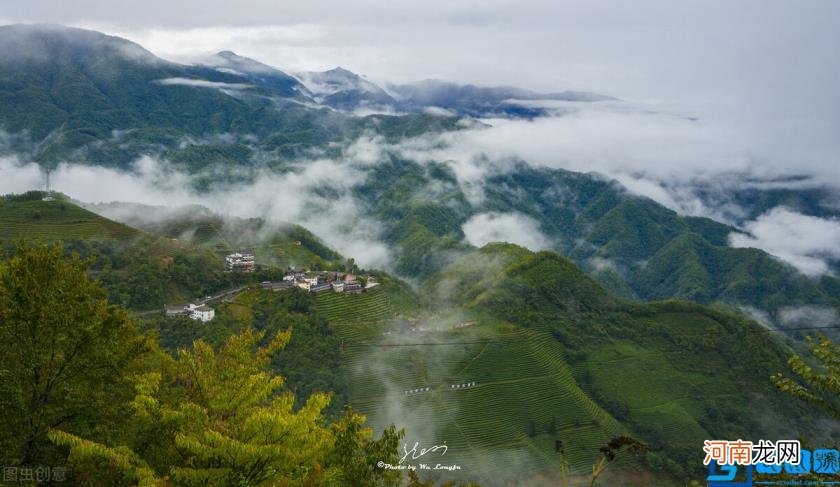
(202, 83)
(808, 243)
(652, 151)
(315, 194)
(514, 228)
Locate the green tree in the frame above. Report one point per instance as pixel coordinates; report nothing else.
(65, 358)
(220, 418)
(818, 386)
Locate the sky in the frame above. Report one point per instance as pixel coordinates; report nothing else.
(647, 49)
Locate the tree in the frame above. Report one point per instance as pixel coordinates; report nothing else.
(220, 418)
(65, 357)
(819, 387)
(611, 449)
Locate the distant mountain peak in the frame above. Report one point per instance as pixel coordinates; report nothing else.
(256, 72)
(55, 43)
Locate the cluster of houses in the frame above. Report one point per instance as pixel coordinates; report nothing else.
(319, 282)
(200, 312)
(313, 282)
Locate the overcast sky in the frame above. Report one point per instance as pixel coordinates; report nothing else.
(647, 49)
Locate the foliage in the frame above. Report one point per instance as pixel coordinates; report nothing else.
(67, 354)
(611, 449)
(820, 386)
(220, 418)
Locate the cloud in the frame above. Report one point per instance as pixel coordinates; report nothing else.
(313, 193)
(16, 177)
(201, 83)
(809, 316)
(514, 228)
(808, 243)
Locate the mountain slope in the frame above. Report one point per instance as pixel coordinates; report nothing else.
(279, 245)
(345, 90)
(257, 73)
(81, 95)
(30, 217)
(633, 245)
(139, 270)
(538, 351)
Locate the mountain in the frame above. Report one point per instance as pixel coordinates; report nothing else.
(633, 245)
(167, 256)
(257, 73)
(279, 245)
(516, 348)
(345, 90)
(79, 96)
(480, 101)
(539, 351)
(75, 95)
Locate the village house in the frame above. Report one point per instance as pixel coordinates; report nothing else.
(319, 288)
(278, 286)
(338, 286)
(201, 312)
(240, 261)
(176, 309)
(352, 287)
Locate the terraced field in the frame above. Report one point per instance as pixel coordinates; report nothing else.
(55, 220)
(343, 308)
(520, 377)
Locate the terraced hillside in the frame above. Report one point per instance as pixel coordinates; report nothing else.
(497, 396)
(546, 354)
(139, 270)
(33, 218)
(341, 308)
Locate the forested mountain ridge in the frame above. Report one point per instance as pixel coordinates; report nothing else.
(632, 245)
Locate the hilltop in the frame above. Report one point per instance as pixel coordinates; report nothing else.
(144, 268)
(37, 215)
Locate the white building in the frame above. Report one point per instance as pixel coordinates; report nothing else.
(240, 261)
(204, 313)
